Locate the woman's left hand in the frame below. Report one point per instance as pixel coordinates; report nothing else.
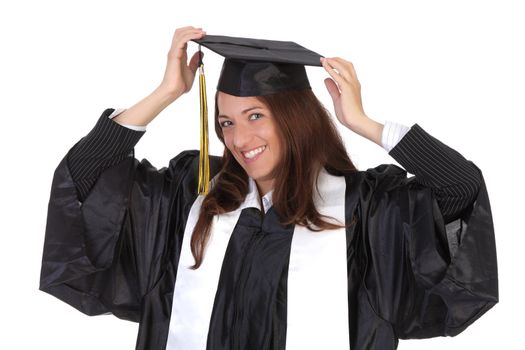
(345, 90)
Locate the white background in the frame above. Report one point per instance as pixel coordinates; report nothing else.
(454, 67)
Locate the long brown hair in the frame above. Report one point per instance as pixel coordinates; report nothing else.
(310, 141)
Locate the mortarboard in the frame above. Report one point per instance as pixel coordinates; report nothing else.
(252, 67)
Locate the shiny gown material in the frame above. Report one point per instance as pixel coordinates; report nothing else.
(411, 271)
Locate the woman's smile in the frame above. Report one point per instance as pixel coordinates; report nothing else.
(254, 154)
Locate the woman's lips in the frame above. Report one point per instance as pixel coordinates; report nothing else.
(252, 155)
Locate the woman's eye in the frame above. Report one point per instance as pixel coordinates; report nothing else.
(255, 116)
(225, 124)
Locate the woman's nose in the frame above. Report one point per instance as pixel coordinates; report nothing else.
(241, 136)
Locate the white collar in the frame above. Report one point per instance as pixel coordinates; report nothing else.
(324, 181)
(252, 198)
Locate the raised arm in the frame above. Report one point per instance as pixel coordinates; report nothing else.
(427, 242)
(453, 179)
(102, 255)
(178, 79)
(109, 143)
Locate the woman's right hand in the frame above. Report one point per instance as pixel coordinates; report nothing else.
(180, 74)
(178, 80)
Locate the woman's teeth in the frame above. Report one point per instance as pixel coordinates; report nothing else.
(253, 152)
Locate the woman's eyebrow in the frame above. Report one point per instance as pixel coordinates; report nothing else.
(243, 112)
(251, 108)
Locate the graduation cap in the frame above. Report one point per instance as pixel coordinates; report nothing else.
(252, 67)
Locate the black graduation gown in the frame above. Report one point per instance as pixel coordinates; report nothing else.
(413, 272)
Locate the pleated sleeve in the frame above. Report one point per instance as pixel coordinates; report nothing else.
(430, 254)
(107, 241)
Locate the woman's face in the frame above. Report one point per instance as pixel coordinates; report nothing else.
(249, 131)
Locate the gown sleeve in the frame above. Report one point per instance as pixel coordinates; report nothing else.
(431, 265)
(106, 236)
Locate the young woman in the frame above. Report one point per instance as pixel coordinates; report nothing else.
(293, 247)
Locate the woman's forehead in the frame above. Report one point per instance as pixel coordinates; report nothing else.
(230, 105)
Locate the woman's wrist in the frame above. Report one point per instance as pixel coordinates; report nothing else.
(166, 94)
(143, 112)
(368, 128)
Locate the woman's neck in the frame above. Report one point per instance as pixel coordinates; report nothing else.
(264, 186)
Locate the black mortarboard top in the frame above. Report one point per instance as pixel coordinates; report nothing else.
(256, 67)
(252, 67)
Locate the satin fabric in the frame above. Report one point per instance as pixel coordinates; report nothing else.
(248, 78)
(317, 303)
(410, 274)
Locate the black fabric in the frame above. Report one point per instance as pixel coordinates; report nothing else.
(260, 50)
(106, 145)
(118, 251)
(258, 67)
(246, 303)
(411, 272)
(246, 78)
(454, 180)
(403, 281)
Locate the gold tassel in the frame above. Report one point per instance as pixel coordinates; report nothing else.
(204, 161)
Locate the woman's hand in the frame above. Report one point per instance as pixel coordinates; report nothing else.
(179, 75)
(177, 80)
(345, 90)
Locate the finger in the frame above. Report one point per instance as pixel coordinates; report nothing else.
(346, 69)
(194, 34)
(182, 43)
(349, 66)
(184, 29)
(332, 88)
(335, 75)
(179, 33)
(340, 67)
(194, 61)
